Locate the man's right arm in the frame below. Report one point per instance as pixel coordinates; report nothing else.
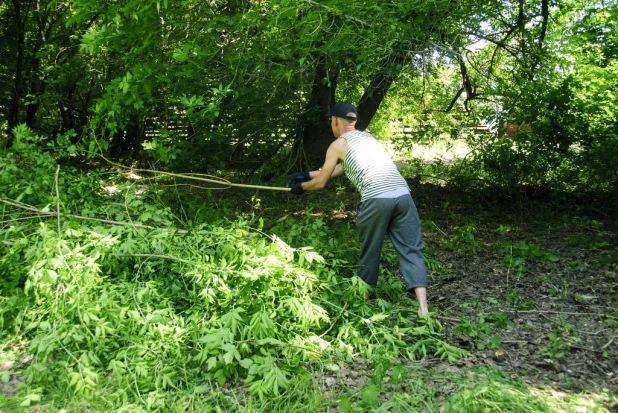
(337, 172)
(335, 152)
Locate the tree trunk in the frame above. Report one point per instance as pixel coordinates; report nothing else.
(314, 134)
(13, 115)
(65, 106)
(376, 91)
(128, 145)
(37, 83)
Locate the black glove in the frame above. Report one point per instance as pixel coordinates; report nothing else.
(297, 189)
(298, 178)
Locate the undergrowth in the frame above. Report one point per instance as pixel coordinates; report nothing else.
(123, 306)
(118, 296)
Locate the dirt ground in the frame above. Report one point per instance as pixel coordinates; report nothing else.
(563, 307)
(558, 310)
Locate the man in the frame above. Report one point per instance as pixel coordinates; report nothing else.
(386, 204)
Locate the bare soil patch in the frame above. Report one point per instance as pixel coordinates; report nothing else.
(562, 310)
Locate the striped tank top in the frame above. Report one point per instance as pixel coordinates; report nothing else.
(370, 168)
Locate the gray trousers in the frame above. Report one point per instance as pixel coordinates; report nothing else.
(398, 218)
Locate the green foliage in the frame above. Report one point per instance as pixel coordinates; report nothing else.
(476, 331)
(480, 330)
(464, 241)
(560, 340)
(595, 237)
(501, 320)
(211, 86)
(489, 390)
(517, 255)
(119, 314)
(495, 395)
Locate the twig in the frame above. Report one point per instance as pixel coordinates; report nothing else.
(58, 200)
(342, 309)
(126, 208)
(266, 228)
(20, 219)
(434, 224)
(191, 186)
(335, 321)
(330, 9)
(167, 257)
(105, 221)
(598, 368)
(548, 312)
(455, 320)
(607, 345)
(126, 204)
(586, 349)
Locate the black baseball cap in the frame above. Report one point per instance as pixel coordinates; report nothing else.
(341, 110)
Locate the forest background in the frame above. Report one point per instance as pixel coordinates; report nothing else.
(132, 282)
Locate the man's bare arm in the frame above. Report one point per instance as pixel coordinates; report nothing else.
(330, 168)
(337, 172)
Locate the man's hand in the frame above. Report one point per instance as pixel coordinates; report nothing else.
(298, 178)
(297, 189)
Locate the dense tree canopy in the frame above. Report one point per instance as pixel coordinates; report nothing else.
(235, 84)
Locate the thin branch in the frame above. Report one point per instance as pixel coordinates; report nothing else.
(549, 312)
(339, 308)
(19, 219)
(454, 320)
(283, 218)
(217, 180)
(545, 14)
(105, 221)
(443, 233)
(167, 257)
(335, 321)
(607, 345)
(330, 9)
(58, 201)
(500, 43)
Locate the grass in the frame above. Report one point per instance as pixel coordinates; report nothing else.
(355, 386)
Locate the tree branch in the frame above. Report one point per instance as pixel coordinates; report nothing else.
(450, 106)
(105, 221)
(545, 15)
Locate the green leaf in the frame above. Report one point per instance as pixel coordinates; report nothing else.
(371, 394)
(211, 363)
(397, 375)
(378, 317)
(551, 258)
(345, 405)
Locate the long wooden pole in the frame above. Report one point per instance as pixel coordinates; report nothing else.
(218, 181)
